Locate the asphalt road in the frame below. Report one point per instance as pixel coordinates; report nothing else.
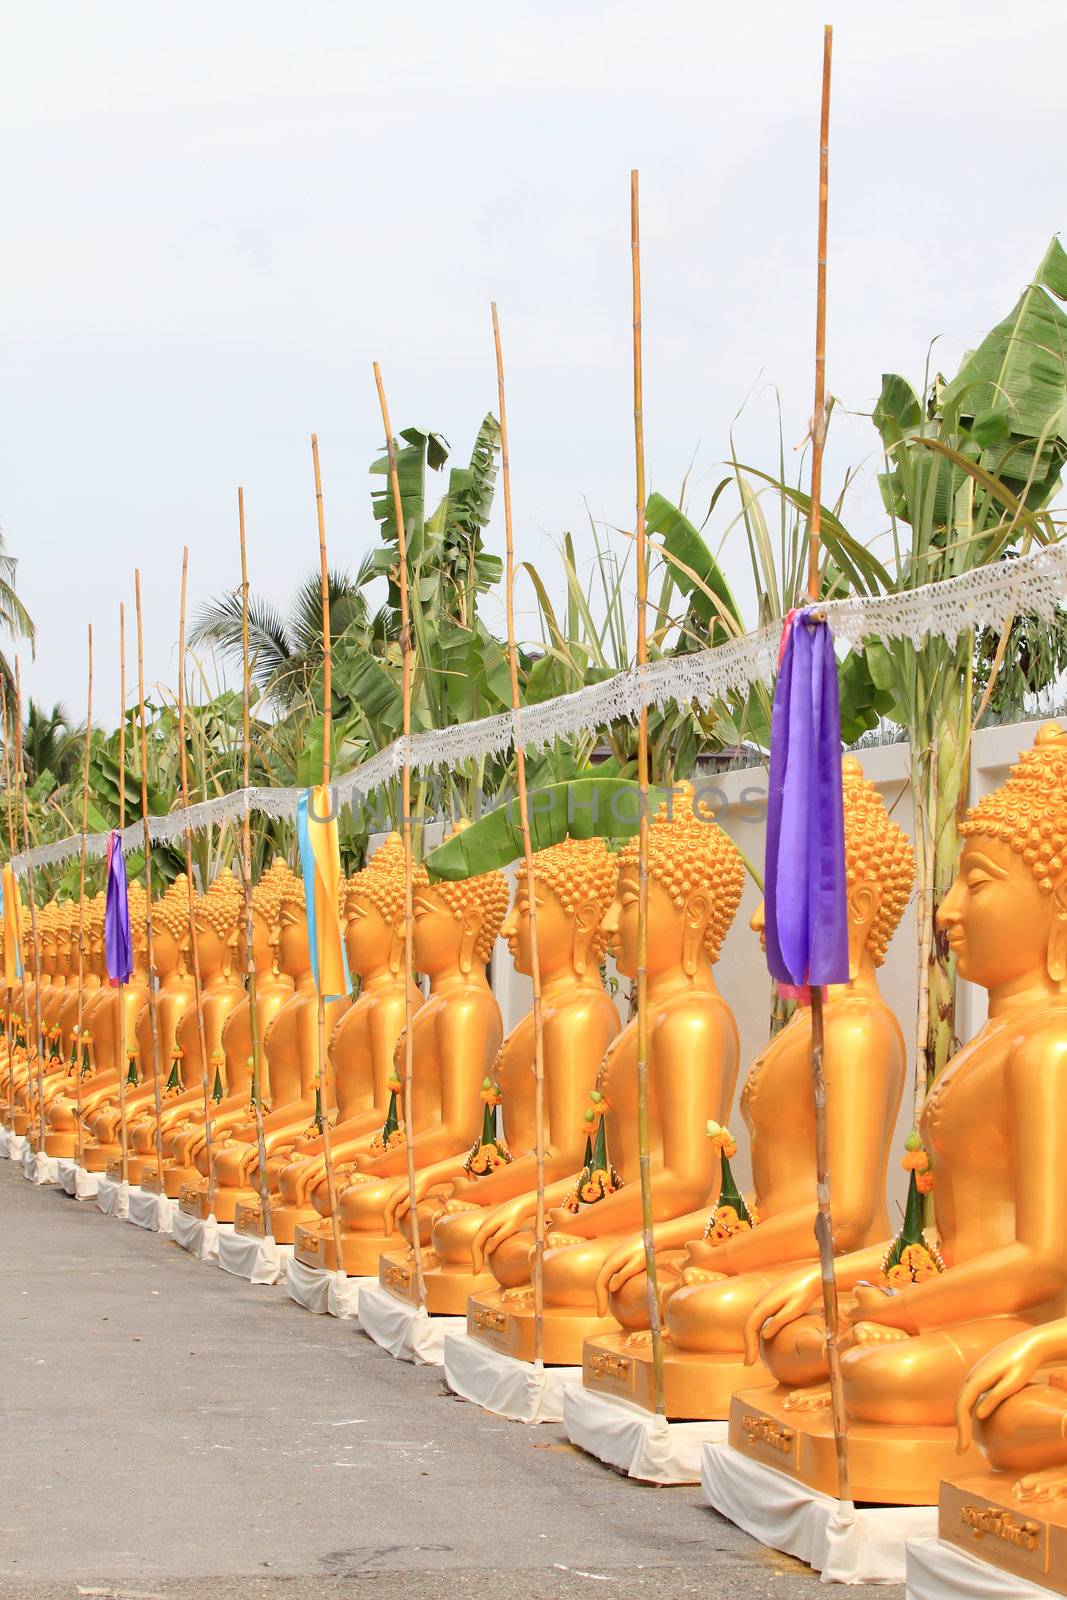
(168, 1431)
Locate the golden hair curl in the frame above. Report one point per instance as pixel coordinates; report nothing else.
(137, 901)
(688, 851)
(876, 851)
(171, 910)
(267, 893)
(381, 882)
(290, 887)
(1029, 811)
(220, 906)
(486, 892)
(577, 871)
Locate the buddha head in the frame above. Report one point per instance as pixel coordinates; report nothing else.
(170, 925)
(266, 908)
(47, 930)
(66, 938)
(216, 915)
(456, 924)
(574, 884)
(1005, 917)
(94, 935)
(695, 878)
(291, 940)
(137, 901)
(879, 867)
(374, 911)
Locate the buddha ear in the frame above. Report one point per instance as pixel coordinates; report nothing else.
(586, 922)
(864, 901)
(697, 916)
(1056, 958)
(472, 927)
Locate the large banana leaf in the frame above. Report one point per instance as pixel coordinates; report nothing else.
(585, 808)
(694, 569)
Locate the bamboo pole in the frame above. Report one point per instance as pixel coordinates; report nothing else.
(246, 879)
(824, 1223)
(405, 823)
(327, 726)
(33, 923)
(12, 846)
(123, 1064)
(153, 1014)
(643, 1155)
(194, 937)
(78, 1056)
(528, 856)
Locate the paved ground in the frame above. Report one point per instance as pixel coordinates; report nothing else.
(170, 1432)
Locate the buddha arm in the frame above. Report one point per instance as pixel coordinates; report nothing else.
(859, 1097)
(1032, 1270)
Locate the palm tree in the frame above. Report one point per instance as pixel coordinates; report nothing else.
(51, 742)
(286, 653)
(14, 618)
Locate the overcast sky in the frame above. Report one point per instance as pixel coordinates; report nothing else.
(217, 216)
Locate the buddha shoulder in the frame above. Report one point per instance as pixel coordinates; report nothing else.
(693, 1021)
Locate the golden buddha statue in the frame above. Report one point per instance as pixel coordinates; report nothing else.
(62, 1101)
(574, 885)
(184, 1146)
(360, 1050)
(87, 924)
(291, 1045)
(54, 925)
(173, 997)
(713, 1269)
(101, 1099)
(217, 915)
(455, 1037)
(991, 1126)
(695, 880)
(16, 1092)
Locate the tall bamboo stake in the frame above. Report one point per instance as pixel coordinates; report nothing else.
(123, 1064)
(528, 856)
(643, 1155)
(153, 1014)
(405, 823)
(194, 937)
(33, 921)
(246, 878)
(12, 847)
(78, 1056)
(824, 1224)
(327, 725)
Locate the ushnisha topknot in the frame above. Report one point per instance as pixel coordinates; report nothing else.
(137, 901)
(221, 905)
(577, 871)
(267, 893)
(290, 887)
(1029, 811)
(486, 891)
(687, 850)
(876, 851)
(171, 910)
(381, 881)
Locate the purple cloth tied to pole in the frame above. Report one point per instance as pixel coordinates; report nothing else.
(805, 885)
(118, 945)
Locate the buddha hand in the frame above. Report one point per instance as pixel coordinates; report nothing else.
(617, 1268)
(702, 1275)
(1003, 1372)
(783, 1303)
(501, 1223)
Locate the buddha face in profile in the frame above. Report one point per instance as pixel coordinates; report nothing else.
(374, 911)
(291, 938)
(216, 915)
(574, 883)
(456, 924)
(262, 944)
(1005, 917)
(695, 877)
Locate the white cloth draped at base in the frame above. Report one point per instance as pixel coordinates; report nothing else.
(845, 1543)
(646, 1447)
(200, 1238)
(406, 1331)
(519, 1390)
(112, 1196)
(155, 1212)
(939, 1571)
(38, 1167)
(322, 1292)
(258, 1261)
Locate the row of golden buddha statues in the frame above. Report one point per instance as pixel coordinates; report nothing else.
(969, 1315)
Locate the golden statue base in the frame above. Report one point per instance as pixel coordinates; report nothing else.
(64, 1146)
(23, 1123)
(193, 1200)
(698, 1386)
(978, 1515)
(503, 1319)
(360, 1252)
(448, 1287)
(284, 1219)
(890, 1466)
(95, 1157)
(136, 1168)
(248, 1220)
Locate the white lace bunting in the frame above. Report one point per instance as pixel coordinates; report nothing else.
(1032, 585)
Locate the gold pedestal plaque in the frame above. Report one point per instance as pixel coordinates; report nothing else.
(887, 1465)
(504, 1320)
(697, 1386)
(1031, 1543)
